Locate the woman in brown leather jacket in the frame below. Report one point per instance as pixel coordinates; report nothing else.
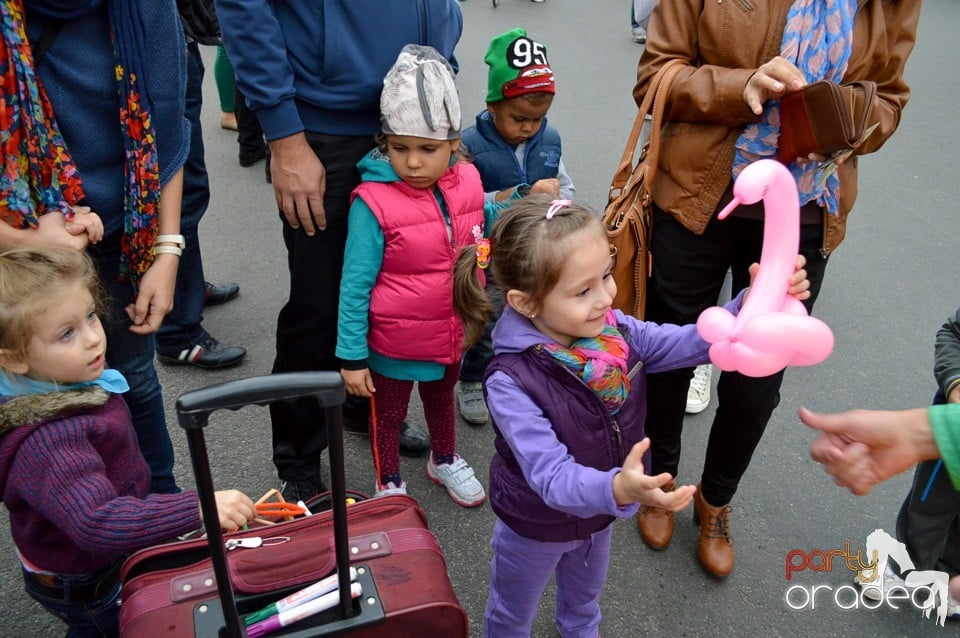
(743, 55)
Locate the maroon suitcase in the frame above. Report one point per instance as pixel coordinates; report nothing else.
(172, 590)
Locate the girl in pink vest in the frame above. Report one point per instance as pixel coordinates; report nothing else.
(416, 209)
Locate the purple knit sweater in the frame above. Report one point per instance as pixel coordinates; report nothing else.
(76, 485)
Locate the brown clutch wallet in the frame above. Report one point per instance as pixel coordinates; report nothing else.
(823, 117)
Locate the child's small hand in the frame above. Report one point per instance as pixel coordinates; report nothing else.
(550, 186)
(85, 221)
(632, 485)
(359, 382)
(798, 286)
(234, 508)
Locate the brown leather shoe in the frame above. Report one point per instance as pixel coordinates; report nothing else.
(656, 523)
(715, 550)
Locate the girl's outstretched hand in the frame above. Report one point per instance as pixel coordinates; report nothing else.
(632, 485)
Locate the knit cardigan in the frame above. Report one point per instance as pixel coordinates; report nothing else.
(76, 485)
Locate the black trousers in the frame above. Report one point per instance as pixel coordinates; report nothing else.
(929, 519)
(249, 134)
(688, 273)
(307, 324)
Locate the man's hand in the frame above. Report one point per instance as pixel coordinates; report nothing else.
(299, 183)
(862, 448)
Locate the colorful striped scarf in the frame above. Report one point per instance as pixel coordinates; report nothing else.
(39, 177)
(600, 361)
(818, 39)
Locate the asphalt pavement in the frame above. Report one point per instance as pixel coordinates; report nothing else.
(888, 289)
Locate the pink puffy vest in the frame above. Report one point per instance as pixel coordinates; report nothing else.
(411, 304)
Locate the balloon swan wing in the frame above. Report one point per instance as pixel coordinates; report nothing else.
(772, 330)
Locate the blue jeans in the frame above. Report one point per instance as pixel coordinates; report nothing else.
(640, 11)
(181, 328)
(97, 618)
(132, 355)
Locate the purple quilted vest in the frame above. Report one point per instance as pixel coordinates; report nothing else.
(581, 422)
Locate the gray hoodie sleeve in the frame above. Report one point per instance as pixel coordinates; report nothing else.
(946, 355)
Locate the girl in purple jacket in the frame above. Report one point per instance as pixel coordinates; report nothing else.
(566, 392)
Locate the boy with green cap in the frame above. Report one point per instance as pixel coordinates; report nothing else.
(514, 149)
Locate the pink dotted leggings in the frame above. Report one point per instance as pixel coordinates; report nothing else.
(390, 409)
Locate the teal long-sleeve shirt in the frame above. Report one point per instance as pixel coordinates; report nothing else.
(945, 424)
(362, 261)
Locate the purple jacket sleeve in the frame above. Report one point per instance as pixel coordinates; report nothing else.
(71, 489)
(666, 346)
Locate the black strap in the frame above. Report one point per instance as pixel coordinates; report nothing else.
(47, 36)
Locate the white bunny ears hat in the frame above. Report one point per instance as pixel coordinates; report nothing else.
(419, 97)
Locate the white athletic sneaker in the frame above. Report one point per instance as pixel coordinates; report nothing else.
(390, 488)
(891, 579)
(698, 394)
(458, 477)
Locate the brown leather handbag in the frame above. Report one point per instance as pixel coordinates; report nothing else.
(628, 213)
(824, 117)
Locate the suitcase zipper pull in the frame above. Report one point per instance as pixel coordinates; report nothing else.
(254, 542)
(250, 543)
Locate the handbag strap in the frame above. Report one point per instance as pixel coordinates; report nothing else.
(653, 104)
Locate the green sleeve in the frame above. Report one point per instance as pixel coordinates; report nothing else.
(362, 260)
(945, 424)
(493, 209)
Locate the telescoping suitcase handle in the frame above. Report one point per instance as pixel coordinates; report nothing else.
(193, 413)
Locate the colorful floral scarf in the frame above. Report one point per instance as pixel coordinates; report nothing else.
(817, 38)
(38, 175)
(600, 361)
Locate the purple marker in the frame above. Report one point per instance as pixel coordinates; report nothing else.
(301, 611)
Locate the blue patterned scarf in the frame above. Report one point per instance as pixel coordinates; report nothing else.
(818, 39)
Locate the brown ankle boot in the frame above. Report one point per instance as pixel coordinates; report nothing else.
(656, 524)
(715, 550)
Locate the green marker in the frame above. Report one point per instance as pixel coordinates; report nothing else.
(319, 588)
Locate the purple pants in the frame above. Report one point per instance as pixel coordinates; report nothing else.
(522, 567)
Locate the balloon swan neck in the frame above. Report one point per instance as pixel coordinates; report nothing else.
(772, 329)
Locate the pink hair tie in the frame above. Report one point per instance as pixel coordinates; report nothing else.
(556, 205)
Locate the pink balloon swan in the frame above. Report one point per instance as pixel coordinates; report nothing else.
(772, 330)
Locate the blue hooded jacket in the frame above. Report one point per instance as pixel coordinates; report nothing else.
(497, 162)
(319, 66)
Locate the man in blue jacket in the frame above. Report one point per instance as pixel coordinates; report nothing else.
(312, 74)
